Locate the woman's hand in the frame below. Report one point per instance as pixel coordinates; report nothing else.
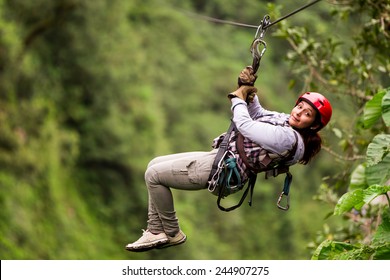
(247, 77)
(245, 93)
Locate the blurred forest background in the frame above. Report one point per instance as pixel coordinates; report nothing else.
(91, 91)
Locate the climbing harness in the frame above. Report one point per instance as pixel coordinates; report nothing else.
(224, 178)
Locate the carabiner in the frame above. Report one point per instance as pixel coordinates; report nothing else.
(285, 208)
(258, 41)
(256, 53)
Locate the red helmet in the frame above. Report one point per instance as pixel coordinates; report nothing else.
(320, 103)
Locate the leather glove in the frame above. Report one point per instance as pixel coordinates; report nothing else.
(247, 77)
(246, 93)
(251, 97)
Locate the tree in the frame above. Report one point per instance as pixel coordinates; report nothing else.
(358, 68)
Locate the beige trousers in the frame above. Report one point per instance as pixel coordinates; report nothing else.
(184, 171)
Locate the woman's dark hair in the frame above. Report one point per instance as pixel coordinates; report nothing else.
(312, 141)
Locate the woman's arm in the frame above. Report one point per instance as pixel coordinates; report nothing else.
(272, 137)
(255, 109)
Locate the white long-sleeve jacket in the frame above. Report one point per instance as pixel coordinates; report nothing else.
(268, 129)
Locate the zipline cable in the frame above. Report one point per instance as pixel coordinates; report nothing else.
(293, 13)
(216, 20)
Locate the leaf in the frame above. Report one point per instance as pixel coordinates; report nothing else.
(333, 250)
(382, 235)
(373, 191)
(373, 110)
(360, 252)
(322, 251)
(349, 200)
(358, 178)
(378, 149)
(382, 252)
(386, 107)
(380, 173)
(357, 198)
(378, 160)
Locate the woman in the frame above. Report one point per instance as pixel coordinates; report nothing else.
(262, 129)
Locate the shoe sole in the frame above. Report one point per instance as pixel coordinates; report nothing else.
(147, 248)
(169, 244)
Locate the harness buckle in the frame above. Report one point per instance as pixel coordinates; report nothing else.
(285, 208)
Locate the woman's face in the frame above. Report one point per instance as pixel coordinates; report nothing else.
(302, 116)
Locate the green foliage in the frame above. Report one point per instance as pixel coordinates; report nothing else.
(373, 109)
(358, 198)
(386, 108)
(378, 249)
(360, 71)
(367, 183)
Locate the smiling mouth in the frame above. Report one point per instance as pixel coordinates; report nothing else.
(295, 119)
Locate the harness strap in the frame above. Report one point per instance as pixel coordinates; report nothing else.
(267, 160)
(226, 179)
(285, 192)
(223, 146)
(250, 187)
(244, 158)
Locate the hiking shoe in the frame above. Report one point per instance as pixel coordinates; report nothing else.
(148, 241)
(178, 239)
